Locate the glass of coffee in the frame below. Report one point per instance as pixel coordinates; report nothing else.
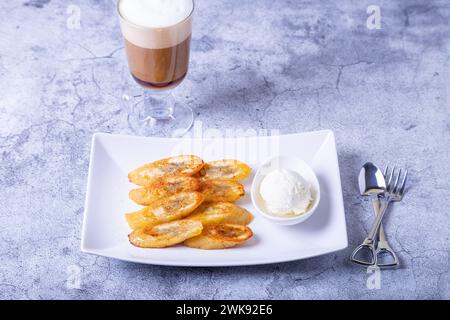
(157, 35)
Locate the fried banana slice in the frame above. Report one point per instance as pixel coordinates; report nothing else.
(220, 236)
(163, 187)
(165, 235)
(140, 219)
(227, 170)
(185, 165)
(222, 190)
(164, 210)
(201, 173)
(221, 212)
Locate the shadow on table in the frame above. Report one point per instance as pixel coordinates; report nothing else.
(243, 88)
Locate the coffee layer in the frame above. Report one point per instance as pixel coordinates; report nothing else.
(159, 67)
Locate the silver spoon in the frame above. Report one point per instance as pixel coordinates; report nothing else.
(371, 183)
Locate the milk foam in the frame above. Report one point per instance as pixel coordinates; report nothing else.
(156, 24)
(155, 13)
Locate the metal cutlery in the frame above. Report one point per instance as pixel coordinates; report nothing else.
(389, 189)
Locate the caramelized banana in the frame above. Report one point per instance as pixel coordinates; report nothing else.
(164, 210)
(220, 236)
(227, 170)
(221, 212)
(140, 219)
(222, 190)
(162, 187)
(165, 235)
(201, 173)
(185, 165)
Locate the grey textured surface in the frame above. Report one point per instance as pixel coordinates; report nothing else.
(292, 65)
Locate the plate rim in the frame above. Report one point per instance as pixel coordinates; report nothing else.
(195, 264)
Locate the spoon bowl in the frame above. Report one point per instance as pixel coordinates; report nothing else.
(371, 180)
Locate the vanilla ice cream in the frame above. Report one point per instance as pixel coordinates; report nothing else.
(286, 193)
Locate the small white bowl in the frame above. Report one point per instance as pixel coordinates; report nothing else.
(289, 163)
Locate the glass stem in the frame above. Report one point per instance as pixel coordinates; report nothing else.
(158, 104)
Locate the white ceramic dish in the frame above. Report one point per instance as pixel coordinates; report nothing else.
(105, 230)
(290, 163)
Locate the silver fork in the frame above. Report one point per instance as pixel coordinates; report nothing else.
(383, 247)
(394, 192)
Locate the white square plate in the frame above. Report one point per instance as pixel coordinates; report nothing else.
(105, 230)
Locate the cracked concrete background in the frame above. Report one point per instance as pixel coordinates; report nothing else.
(292, 65)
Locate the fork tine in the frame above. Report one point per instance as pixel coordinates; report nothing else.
(394, 190)
(386, 172)
(389, 182)
(402, 187)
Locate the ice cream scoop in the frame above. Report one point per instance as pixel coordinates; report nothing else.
(285, 192)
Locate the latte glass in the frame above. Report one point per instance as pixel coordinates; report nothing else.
(158, 59)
